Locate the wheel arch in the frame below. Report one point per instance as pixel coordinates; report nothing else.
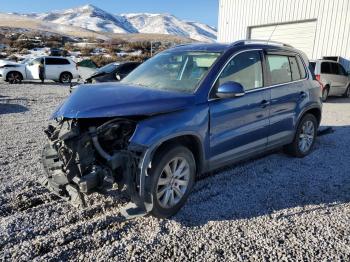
(191, 141)
(13, 71)
(315, 111)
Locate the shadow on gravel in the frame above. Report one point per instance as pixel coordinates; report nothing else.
(274, 183)
(12, 108)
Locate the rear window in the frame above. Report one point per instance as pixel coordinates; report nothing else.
(279, 69)
(56, 61)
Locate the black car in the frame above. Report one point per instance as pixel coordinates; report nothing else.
(112, 72)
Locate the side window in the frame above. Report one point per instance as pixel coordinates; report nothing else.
(326, 68)
(341, 70)
(295, 68)
(279, 69)
(56, 61)
(246, 69)
(302, 68)
(334, 68)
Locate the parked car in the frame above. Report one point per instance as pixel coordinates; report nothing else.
(86, 68)
(186, 111)
(333, 76)
(112, 72)
(60, 69)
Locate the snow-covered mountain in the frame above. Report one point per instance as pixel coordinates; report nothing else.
(169, 24)
(93, 18)
(88, 17)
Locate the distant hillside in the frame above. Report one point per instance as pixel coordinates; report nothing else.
(95, 19)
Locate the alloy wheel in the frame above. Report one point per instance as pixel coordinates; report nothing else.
(173, 182)
(65, 78)
(14, 78)
(306, 136)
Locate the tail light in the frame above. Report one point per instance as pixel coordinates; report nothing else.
(318, 78)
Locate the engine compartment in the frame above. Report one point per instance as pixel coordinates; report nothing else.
(88, 155)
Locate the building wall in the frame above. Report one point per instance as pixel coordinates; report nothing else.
(332, 37)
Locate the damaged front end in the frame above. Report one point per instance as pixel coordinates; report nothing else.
(85, 156)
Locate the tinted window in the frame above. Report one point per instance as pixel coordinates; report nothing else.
(326, 68)
(126, 69)
(279, 69)
(245, 68)
(56, 61)
(295, 68)
(341, 70)
(334, 68)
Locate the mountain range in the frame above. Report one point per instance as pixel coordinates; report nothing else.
(93, 18)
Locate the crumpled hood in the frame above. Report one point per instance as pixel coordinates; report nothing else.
(114, 99)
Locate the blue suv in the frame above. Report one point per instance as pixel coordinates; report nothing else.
(186, 111)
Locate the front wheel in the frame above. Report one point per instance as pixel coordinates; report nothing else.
(305, 137)
(65, 78)
(325, 93)
(173, 176)
(14, 78)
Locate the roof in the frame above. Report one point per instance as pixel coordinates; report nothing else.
(215, 47)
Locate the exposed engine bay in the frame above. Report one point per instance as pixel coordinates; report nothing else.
(85, 156)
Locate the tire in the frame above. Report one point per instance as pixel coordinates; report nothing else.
(296, 147)
(347, 92)
(170, 193)
(14, 77)
(325, 93)
(66, 78)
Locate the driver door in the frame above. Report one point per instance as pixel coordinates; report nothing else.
(32, 69)
(239, 125)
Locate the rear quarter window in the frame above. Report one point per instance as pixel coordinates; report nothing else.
(301, 65)
(294, 68)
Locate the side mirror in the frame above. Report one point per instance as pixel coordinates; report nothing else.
(230, 89)
(118, 77)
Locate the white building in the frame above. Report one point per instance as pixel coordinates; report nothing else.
(317, 27)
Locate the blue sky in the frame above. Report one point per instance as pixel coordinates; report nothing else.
(205, 11)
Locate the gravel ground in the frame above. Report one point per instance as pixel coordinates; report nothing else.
(272, 208)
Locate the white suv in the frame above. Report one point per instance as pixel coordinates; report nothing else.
(333, 77)
(60, 69)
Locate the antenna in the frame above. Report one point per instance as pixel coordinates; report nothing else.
(268, 40)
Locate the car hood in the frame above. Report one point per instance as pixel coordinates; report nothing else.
(9, 63)
(113, 100)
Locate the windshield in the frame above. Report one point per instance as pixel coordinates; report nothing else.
(27, 60)
(174, 71)
(107, 68)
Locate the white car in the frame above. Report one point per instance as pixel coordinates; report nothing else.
(60, 69)
(333, 77)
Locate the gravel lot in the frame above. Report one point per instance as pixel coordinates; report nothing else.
(271, 208)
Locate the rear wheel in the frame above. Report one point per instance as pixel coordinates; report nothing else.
(66, 78)
(305, 137)
(325, 93)
(173, 176)
(14, 77)
(347, 92)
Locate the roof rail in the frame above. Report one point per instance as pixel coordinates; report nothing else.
(257, 41)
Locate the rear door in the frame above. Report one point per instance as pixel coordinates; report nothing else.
(239, 125)
(55, 66)
(288, 92)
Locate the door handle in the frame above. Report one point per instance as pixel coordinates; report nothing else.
(265, 103)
